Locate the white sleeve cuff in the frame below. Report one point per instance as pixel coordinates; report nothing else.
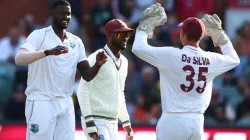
(126, 123)
(89, 118)
(91, 129)
(141, 33)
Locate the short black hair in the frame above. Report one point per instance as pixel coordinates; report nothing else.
(57, 3)
(193, 38)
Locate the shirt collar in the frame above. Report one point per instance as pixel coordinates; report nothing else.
(192, 48)
(109, 52)
(66, 36)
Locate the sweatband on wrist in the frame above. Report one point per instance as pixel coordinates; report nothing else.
(91, 129)
(131, 133)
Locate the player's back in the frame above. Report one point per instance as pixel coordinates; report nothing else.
(186, 74)
(186, 82)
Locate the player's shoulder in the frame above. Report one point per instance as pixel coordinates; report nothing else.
(172, 50)
(210, 54)
(123, 58)
(95, 53)
(41, 32)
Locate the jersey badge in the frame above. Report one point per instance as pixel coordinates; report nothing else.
(34, 128)
(72, 45)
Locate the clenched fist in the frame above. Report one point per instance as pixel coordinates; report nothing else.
(101, 57)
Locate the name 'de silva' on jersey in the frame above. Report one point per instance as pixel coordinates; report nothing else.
(195, 60)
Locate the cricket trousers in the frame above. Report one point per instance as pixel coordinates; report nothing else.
(50, 119)
(180, 126)
(108, 129)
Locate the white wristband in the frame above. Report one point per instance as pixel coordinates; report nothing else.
(91, 129)
(131, 133)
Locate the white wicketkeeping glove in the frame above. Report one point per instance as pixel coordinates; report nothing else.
(148, 25)
(155, 10)
(153, 16)
(214, 29)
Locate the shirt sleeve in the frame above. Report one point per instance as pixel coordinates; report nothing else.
(225, 62)
(33, 41)
(123, 114)
(83, 94)
(156, 56)
(82, 55)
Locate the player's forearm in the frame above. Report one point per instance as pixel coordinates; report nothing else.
(123, 115)
(146, 52)
(230, 52)
(84, 101)
(142, 49)
(24, 57)
(90, 73)
(139, 43)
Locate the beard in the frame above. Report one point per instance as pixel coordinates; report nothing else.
(119, 45)
(60, 25)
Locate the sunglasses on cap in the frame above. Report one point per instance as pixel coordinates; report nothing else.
(122, 35)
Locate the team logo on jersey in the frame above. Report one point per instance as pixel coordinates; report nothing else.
(72, 45)
(34, 128)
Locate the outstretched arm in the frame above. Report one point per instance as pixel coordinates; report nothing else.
(229, 59)
(156, 56)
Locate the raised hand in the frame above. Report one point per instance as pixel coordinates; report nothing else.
(153, 16)
(101, 57)
(214, 29)
(156, 10)
(211, 23)
(56, 51)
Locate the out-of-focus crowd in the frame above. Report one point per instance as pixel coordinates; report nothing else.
(230, 102)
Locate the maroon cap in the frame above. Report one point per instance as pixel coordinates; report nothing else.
(117, 25)
(193, 27)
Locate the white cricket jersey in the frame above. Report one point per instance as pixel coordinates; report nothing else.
(52, 76)
(103, 97)
(186, 75)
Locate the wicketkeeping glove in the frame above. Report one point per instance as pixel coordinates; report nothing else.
(155, 10)
(148, 25)
(214, 29)
(153, 16)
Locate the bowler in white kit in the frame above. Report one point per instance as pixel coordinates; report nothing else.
(186, 75)
(53, 56)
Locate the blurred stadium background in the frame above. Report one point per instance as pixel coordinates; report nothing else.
(227, 117)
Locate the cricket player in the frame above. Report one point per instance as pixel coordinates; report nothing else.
(186, 75)
(52, 55)
(102, 100)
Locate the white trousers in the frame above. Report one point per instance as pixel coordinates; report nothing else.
(180, 126)
(107, 129)
(50, 120)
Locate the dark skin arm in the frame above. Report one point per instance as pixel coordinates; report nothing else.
(87, 72)
(93, 135)
(128, 129)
